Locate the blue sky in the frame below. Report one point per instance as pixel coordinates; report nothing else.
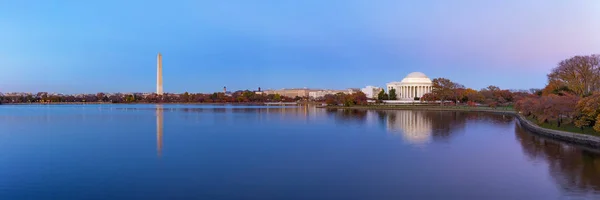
(74, 46)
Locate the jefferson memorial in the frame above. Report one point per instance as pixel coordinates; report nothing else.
(415, 84)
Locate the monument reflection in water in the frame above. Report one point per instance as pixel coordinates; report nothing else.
(159, 129)
(240, 152)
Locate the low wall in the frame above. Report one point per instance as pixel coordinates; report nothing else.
(588, 140)
(578, 138)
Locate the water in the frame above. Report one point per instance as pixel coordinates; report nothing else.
(245, 152)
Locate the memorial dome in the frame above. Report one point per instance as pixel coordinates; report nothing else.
(416, 78)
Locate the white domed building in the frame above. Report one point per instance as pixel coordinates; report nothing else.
(415, 84)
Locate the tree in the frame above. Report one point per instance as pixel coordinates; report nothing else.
(588, 109)
(555, 87)
(535, 91)
(459, 94)
(493, 88)
(580, 74)
(101, 96)
(556, 108)
(277, 97)
(392, 95)
(472, 95)
(185, 97)
(428, 97)
(382, 96)
(443, 89)
(330, 100)
(597, 126)
(565, 107)
(130, 98)
(359, 98)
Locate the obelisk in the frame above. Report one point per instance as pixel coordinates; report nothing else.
(159, 82)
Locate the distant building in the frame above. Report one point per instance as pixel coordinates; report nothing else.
(415, 84)
(371, 91)
(17, 94)
(321, 93)
(259, 91)
(292, 93)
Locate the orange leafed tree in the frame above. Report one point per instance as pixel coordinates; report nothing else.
(580, 74)
(589, 111)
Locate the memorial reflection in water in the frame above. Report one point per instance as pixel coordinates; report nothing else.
(283, 148)
(415, 127)
(420, 127)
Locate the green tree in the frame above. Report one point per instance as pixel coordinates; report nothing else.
(392, 95)
(382, 96)
(277, 97)
(129, 99)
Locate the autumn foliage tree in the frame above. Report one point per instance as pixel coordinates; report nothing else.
(443, 89)
(472, 95)
(580, 74)
(571, 96)
(550, 108)
(357, 98)
(589, 112)
(428, 97)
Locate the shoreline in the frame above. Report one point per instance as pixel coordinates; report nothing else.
(138, 103)
(564, 136)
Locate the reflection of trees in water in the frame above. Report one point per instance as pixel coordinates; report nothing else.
(446, 123)
(348, 115)
(490, 118)
(573, 168)
(418, 126)
(421, 126)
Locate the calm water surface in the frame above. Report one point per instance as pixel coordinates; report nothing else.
(244, 152)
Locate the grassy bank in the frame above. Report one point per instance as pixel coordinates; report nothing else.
(565, 127)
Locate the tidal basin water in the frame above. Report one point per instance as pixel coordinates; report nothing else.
(253, 152)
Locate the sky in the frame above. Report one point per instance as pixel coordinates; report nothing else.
(73, 46)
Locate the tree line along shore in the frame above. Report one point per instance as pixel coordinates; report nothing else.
(569, 101)
(245, 96)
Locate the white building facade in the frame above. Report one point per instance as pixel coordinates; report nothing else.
(321, 93)
(371, 91)
(415, 84)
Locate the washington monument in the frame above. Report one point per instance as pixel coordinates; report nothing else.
(159, 83)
